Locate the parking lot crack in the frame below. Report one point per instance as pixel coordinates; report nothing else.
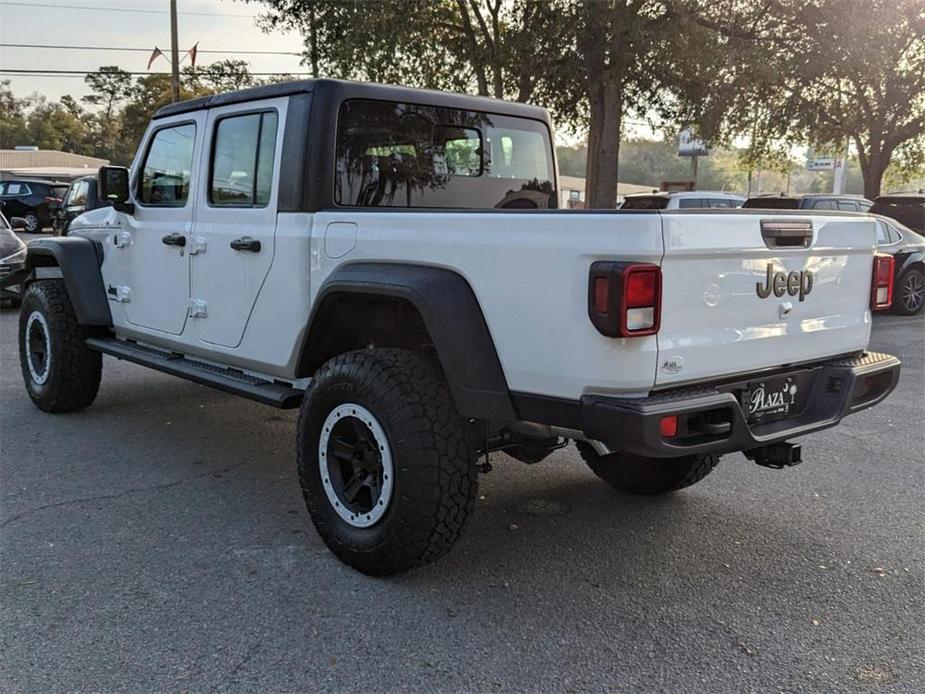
(117, 495)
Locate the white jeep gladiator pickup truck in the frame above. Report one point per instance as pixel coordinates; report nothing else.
(391, 262)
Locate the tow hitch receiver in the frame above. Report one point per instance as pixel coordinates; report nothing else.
(776, 455)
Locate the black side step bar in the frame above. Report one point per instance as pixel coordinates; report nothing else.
(267, 392)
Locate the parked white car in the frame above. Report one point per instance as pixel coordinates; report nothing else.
(684, 200)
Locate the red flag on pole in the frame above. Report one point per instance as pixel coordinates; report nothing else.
(192, 54)
(154, 54)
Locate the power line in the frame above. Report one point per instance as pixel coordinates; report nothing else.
(81, 73)
(134, 10)
(135, 50)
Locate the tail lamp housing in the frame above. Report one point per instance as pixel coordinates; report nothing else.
(625, 299)
(881, 285)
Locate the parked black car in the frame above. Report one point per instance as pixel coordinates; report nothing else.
(34, 201)
(908, 251)
(81, 197)
(906, 208)
(12, 257)
(814, 201)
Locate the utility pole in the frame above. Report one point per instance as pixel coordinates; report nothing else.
(694, 170)
(174, 53)
(841, 168)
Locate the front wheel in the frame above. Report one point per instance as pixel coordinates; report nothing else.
(909, 295)
(61, 374)
(637, 474)
(386, 470)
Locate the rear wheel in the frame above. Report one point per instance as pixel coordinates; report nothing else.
(60, 373)
(909, 296)
(385, 467)
(637, 474)
(33, 224)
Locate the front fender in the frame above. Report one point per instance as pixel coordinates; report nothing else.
(79, 260)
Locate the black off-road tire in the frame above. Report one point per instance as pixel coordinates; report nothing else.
(908, 299)
(636, 474)
(435, 478)
(70, 379)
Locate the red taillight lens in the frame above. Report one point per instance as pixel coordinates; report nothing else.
(624, 299)
(881, 286)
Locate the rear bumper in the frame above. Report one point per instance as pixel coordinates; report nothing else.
(712, 420)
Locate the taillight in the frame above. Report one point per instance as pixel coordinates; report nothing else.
(881, 286)
(624, 299)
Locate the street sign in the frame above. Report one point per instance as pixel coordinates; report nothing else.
(821, 164)
(690, 146)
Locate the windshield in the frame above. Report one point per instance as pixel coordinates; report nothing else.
(645, 202)
(772, 203)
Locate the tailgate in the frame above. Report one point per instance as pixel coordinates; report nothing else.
(746, 291)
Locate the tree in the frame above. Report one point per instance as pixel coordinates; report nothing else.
(822, 72)
(220, 76)
(111, 86)
(13, 129)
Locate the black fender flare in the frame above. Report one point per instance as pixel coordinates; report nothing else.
(454, 321)
(79, 260)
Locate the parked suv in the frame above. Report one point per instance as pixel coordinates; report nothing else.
(839, 203)
(681, 200)
(905, 208)
(81, 197)
(34, 201)
(338, 247)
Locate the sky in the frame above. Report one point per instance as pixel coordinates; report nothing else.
(219, 25)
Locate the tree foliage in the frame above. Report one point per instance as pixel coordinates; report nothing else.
(817, 72)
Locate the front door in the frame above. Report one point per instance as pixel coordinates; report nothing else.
(156, 238)
(236, 218)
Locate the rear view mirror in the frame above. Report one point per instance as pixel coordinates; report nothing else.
(17, 224)
(114, 187)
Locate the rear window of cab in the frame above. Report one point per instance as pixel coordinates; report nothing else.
(391, 154)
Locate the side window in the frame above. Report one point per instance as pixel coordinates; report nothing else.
(720, 202)
(883, 235)
(690, 202)
(242, 160)
(14, 189)
(408, 155)
(79, 193)
(165, 176)
(847, 206)
(823, 205)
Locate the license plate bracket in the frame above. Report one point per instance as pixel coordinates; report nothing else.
(776, 397)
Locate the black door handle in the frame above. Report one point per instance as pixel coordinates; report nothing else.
(246, 243)
(174, 240)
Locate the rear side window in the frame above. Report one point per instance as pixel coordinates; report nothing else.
(722, 202)
(645, 202)
(168, 164)
(14, 189)
(690, 202)
(406, 155)
(847, 206)
(823, 205)
(883, 234)
(242, 160)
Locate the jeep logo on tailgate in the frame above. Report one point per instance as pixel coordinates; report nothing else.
(780, 282)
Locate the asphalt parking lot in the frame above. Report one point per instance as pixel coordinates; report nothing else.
(158, 542)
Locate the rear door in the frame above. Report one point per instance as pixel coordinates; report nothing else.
(236, 217)
(741, 292)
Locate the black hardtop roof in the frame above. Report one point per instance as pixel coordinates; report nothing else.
(347, 89)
